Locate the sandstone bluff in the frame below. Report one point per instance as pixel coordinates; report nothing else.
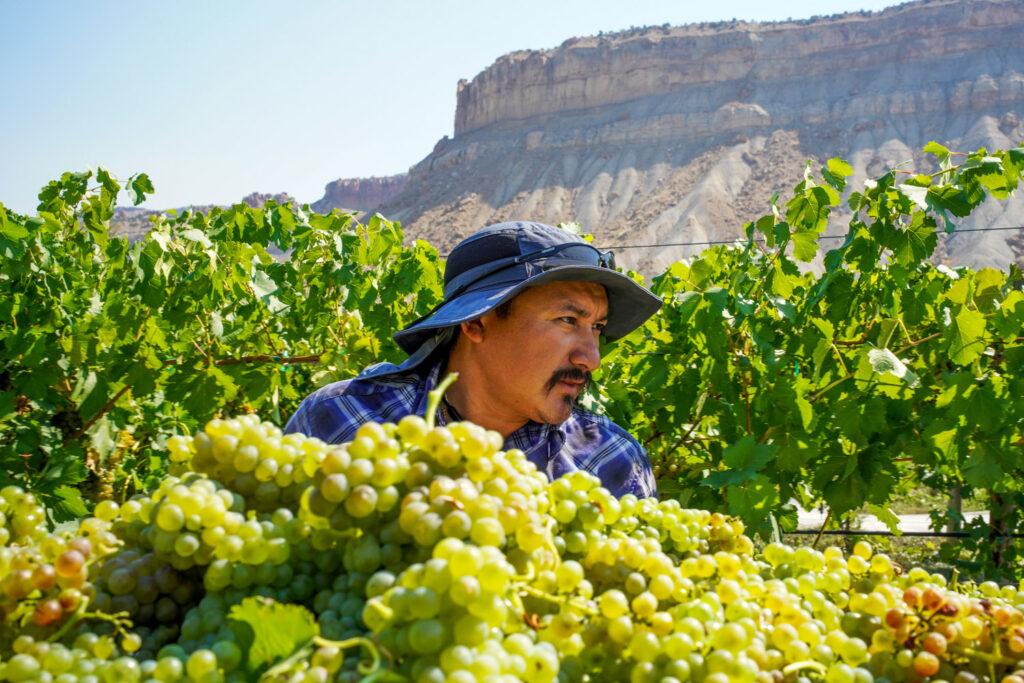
(359, 194)
(682, 134)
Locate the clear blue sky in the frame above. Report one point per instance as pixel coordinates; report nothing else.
(218, 99)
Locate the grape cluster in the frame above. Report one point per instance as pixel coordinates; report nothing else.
(339, 607)
(251, 458)
(22, 518)
(356, 485)
(92, 658)
(44, 576)
(441, 558)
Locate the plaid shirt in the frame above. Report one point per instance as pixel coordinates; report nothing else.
(384, 393)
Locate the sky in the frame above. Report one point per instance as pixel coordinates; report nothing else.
(215, 100)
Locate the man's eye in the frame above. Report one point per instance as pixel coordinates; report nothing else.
(600, 326)
(568, 319)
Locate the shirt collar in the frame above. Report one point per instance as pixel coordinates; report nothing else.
(428, 386)
(427, 352)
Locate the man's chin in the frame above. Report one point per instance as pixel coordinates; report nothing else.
(556, 415)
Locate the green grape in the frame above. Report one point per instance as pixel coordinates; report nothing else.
(228, 654)
(170, 517)
(613, 603)
(427, 636)
(840, 673)
(335, 488)
(58, 659)
(457, 524)
(466, 564)
(200, 663)
(131, 643)
(22, 667)
(361, 501)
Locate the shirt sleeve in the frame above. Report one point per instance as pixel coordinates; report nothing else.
(596, 444)
(647, 483)
(639, 477)
(311, 419)
(298, 422)
(326, 415)
(627, 469)
(333, 413)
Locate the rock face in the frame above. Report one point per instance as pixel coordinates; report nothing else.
(258, 199)
(666, 135)
(359, 194)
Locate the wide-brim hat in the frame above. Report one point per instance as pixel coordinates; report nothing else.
(498, 262)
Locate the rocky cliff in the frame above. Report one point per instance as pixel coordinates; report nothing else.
(359, 194)
(682, 134)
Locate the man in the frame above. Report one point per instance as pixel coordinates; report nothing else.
(525, 305)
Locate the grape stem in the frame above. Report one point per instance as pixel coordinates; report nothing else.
(988, 657)
(286, 664)
(806, 664)
(549, 541)
(557, 599)
(434, 398)
(366, 643)
(531, 572)
(119, 620)
(370, 671)
(75, 618)
(817, 539)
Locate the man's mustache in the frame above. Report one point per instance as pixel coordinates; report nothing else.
(572, 375)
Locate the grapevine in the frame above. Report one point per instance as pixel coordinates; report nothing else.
(757, 385)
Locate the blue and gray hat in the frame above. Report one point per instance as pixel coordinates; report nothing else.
(498, 262)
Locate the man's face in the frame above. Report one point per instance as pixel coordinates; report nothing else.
(541, 355)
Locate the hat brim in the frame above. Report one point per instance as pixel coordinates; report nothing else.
(629, 304)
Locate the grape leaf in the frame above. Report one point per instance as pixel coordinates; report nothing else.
(196, 235)
(747, 454)
(939, 151)
(67, 504)
(917, 194)
(10, 228)
(885, 361)
(982, 471)
(139, 187)
(988, 283)
(753, 501)
(916, 242)
(965, 336)
(278, 630)
(1010, 319)
(886, 516)
(849, 482)
(839, 167)
(951, 199)
(805, 244)
(263, 284)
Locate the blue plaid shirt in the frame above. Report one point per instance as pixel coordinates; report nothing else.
(384, 393)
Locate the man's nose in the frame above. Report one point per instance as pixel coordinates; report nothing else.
(587, 354)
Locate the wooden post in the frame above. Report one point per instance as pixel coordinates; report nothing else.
(999, 510)
(847, 547)
(955, 508)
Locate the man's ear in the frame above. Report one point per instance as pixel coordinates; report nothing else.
(473, 330)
